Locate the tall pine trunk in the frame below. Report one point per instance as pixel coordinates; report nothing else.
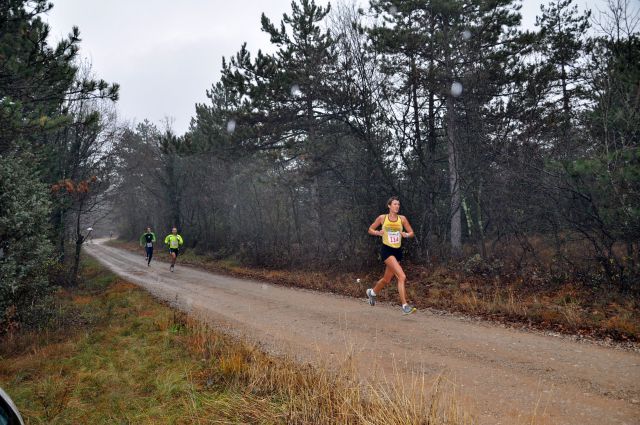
(454, 181)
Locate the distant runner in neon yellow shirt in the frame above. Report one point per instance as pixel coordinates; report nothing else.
(174, 240)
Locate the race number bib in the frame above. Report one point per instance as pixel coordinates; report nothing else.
(149, 244)
(174, 244)
(393, 237)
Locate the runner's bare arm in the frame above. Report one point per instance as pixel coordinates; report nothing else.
(406, 225)
(377, 223)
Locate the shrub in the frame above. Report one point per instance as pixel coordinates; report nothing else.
(25, 249)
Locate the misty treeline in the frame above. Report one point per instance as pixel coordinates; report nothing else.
(57, 132)
(507, 148)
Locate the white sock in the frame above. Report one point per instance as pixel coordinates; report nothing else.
(404, 305)
(373, 292)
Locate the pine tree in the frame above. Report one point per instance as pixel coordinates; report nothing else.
(289, 98)
(429, 46)
(36, 79)
(604, 178)
(562, 45)
(41, 89)
(25, 250)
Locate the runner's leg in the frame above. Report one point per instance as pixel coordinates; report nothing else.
(384, 281)
(396, 269)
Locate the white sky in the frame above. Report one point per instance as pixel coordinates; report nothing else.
(166, 53)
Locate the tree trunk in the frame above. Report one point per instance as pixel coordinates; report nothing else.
(316, 197)
(79, 240)
(416, 108)
(454, 181)
(174, 193)
(425, 241)
(60, 230)
(481, 239)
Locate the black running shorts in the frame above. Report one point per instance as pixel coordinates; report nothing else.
(387, 251)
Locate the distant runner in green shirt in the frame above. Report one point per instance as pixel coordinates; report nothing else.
(147, 240)
(174, 240)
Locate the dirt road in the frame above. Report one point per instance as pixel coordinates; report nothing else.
(503, 374)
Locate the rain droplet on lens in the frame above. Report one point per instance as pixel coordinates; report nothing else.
(466, 34)
(295, 90)
(456, 89)
(231, 126)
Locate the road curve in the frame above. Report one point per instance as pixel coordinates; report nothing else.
(504, 375)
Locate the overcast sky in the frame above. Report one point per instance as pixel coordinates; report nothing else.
(166, 53)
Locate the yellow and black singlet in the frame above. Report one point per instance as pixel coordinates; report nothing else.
(392, 235)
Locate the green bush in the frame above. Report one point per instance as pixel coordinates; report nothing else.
(25, 248)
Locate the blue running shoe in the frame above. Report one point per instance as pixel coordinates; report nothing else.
(408, 309)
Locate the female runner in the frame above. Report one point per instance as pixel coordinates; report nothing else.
(392, 232)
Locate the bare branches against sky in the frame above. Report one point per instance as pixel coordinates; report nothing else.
(165, 54)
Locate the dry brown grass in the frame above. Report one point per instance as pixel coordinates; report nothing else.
(320, 394)
(134, 360)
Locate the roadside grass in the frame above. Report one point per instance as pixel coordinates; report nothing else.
(113, 354)
(597, 311)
